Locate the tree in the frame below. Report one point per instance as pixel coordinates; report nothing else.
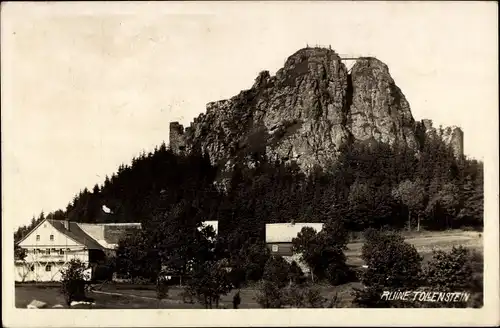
(449, 270)
(270, 295)
(472, 194)
(324, 251)
(136, 257)
(161, 287)
(296, 273)
(254, 257)
(412, 195)
(180, 239)
(19, 253)
(209, 280)
(73, 281)
(459, 269)
(304, 240)
(448, 200)
(307, 245)
(277, 270)
(392, 264)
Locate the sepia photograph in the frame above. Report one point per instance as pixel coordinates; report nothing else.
(295, 160)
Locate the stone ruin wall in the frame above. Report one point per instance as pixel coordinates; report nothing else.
(176, 137)
(452, 136)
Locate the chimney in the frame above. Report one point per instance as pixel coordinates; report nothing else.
(66, 224)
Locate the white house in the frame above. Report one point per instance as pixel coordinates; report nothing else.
(53, 243)
(279, 238)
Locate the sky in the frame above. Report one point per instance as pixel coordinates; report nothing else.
(86, 87)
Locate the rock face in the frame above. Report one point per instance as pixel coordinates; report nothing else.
(306, 112)
(453, 136)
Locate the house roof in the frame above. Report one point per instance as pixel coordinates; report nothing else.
(96, 236)
(76, 233)
(285, 232)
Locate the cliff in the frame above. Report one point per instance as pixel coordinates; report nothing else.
(311, 108)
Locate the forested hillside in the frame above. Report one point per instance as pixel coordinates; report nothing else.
(370, 185)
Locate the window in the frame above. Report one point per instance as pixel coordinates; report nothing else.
(51, 237)
(275, 248)
(37, 237)
(61, 251)
(48, 251)
(48, 267)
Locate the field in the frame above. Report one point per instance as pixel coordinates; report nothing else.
(126, 296)
(425, 242)
(143, 297)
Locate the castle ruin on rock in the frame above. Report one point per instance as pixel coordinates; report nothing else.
(311, 108)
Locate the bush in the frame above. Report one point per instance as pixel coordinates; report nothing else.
(270, 295)
(294, 296)
(449, 270)
(457, 270)
(209, 281)
(338, 272)
(313, 297)
(73, 281)
(392, 264)
(102, 272)
(277, 270)
(296, 273)
(161, 288)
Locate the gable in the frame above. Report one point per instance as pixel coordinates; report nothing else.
(44, 230)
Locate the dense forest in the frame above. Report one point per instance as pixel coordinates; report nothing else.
(370, 185)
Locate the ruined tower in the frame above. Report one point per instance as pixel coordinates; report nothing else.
(176, 137)
(452, 136)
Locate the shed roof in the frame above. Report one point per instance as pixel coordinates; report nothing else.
(285, 232)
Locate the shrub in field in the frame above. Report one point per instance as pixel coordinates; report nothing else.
(392, 264)
(73, 281)
(294, 296)
(313, 298)
(270, 295)
(277, 270)
(209, 281)
(161, 288)
(456, 270)
(449, 270)
(338, 271)
(334, 302)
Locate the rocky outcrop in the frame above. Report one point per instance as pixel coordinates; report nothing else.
(452, 136)
(379, 109)
(306, 112)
